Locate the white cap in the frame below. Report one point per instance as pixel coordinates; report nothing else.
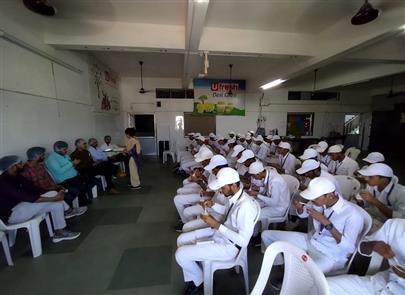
(377, 169)
(269, 136)
(247, 154)
(217, 160)
(197, 134)
(256, 167)
(225, 176)
(276, 137)
(322, 146)
(309, 154)
(236, 150)
(232, 132)
(241, 136)
(202, 138)
(191, 134)
(211, 134)
(203, 154)
(318, 187)
(374, 157)
(248, 137)
(335, 149)
(251, 131)
(258, 138)
(284, 145)
(232, 140)
(308, 165)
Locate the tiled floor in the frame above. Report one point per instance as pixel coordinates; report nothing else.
(126, 247)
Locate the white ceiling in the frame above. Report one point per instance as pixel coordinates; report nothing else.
(170, 12)
(264, 39)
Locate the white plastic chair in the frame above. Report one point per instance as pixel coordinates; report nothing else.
(94, 192)
(368, 222)
(32, 227)
(103, 181)
(301, 274)
(209, 267)
(349, 186)
(352, 153)
(3, 239)
(293, 186)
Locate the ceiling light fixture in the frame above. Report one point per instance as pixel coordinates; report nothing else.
(272, 84)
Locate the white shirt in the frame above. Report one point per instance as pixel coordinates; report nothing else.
(393, 196)
(237, 228)
(275, 192)
(288, 163)
(241, 169)
(273, 147)
(263, 152)
(254, 147)
(346, 167)
(106, 146)
(345, 218)
(392, 233)
(324, 159)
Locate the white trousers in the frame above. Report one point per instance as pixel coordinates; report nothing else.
(25, 211)
(189, 253)
(194, 224)
(183, 201)
(324, 262)
(190, 188)
(181, 155)
(194, 211)
(382, 283)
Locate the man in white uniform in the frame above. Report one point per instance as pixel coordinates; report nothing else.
(273, 196)
(384, 197)
(242, 141)
(312, 154)
(311, 169)
(274, 143)
(341, 164)
(181, 201)
(224, 239)
(388, 242)
(322, 149)
(336, 223)
(286, 161)
(263, 151)
(217, 162)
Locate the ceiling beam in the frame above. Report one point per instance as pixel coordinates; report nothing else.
(196, 13)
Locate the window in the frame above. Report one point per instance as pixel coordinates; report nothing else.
(300, 124)
(174, 93)
(201, 124)
(310, 95)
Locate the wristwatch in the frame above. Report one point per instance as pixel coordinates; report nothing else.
(329, 226)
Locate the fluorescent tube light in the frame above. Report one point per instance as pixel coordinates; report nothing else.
(272, 84)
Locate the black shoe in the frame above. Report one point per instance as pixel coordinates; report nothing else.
(192, 289)
(135, 187)
(179, 227)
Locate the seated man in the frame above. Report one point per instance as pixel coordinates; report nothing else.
(63, 172)
(224, 238)
(263, 150)
(312, 154)
(211, 201)
(107, 145)
(99, 155)
(232, 156)
(336, 223)
(389, 242)
(34, 170)
(341, 164)
(86, 166)
(384, 197)
(20, 200)
(246, 158)
(322, 149)
(311, 169)
(181, 201)
(285, 160)
(273, 196)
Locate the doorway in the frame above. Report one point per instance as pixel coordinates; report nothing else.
(145, 128)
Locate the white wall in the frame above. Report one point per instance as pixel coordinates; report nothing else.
(42, 101)
(329, 115)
